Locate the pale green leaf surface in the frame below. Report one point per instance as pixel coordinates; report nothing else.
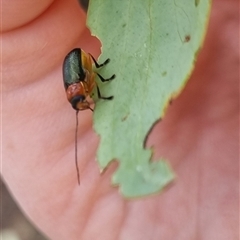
(152, 45)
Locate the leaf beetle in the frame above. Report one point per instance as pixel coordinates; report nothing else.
(79, 82)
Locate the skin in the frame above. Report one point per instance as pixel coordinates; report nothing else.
(38, 135)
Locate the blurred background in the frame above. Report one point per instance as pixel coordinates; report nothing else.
(13, 224)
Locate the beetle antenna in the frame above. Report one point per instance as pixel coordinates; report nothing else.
(76, 153)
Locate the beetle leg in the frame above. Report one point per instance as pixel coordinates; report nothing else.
(101, 97)
(107, 79)
(97, 65)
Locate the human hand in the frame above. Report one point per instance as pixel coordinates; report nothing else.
(198, 135)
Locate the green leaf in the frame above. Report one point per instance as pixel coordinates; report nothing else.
(152, 45)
